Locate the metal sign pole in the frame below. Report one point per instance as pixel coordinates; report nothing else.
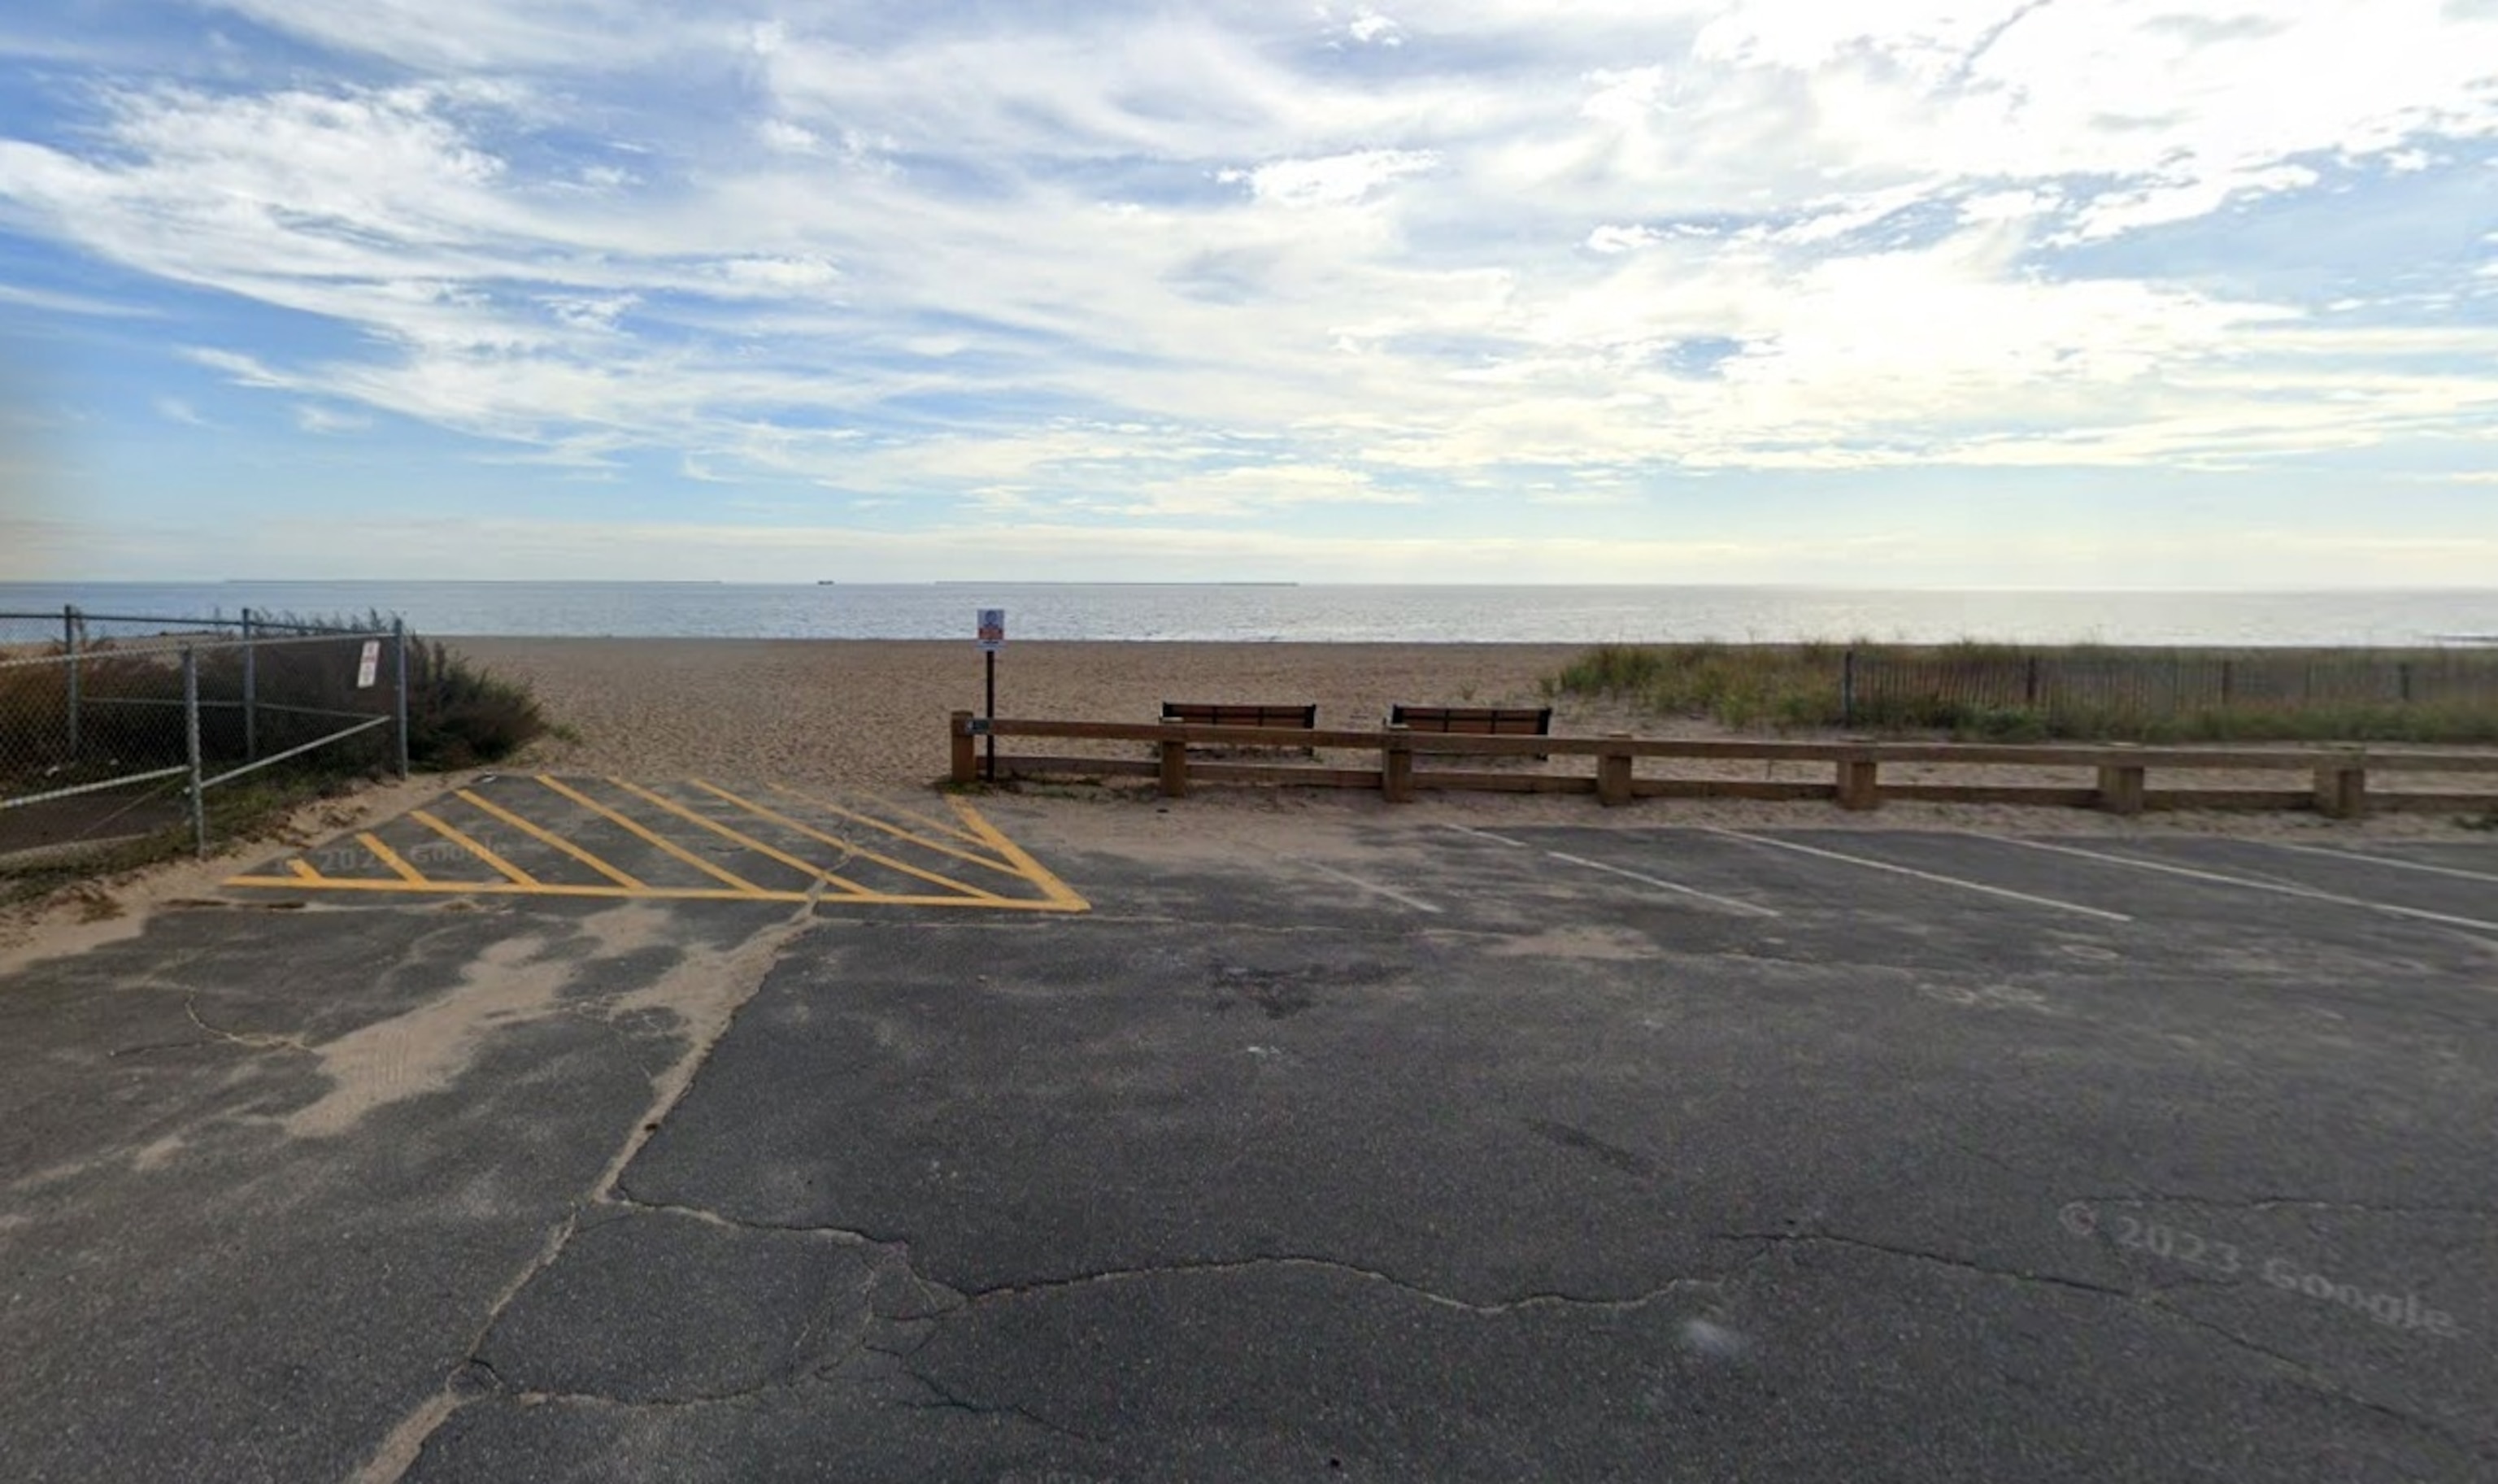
(993, 637)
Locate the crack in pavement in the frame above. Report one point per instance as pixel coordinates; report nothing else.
(257, 1042)
(1945, 1259)
(401, 1447)
(1224, 1267)
(622, 1198)
(2286, 1203)
(2318, 1381)
(968, 1298)
(948, 1400)
(2153, 1303)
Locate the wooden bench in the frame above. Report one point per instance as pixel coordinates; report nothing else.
(1212, 714)
(1475, 721)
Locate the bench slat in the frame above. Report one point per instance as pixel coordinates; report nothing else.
(1225, 713)
(1475, 721)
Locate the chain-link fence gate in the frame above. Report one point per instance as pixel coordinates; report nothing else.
(118, 731)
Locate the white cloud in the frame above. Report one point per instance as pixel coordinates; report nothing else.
(324, 422)
(1341, 179)
(70, 303)
(1161, 262)
(1371, 28)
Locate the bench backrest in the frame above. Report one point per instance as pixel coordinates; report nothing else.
(1477, 721)
(1215, 714)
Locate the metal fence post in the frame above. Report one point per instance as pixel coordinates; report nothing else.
(191, 729)
(399, 665)
(69, 647)
(250, 692)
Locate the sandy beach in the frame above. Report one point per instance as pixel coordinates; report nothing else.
(873, 712)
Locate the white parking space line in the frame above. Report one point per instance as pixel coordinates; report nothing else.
(2304, 894)
(1946, 881)
(2398, 862)
(1666, 886)
(1485, 834)
(1390, 892)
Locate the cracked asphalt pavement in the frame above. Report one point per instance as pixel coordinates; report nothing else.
(1328, 1145)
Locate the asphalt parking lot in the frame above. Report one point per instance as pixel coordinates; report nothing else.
(1343, 1147)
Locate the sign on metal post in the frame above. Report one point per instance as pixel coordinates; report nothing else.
(993, 637)
(369, 667)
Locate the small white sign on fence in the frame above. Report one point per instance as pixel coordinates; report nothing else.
(369, 667)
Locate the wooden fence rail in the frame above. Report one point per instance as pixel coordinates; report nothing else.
(2336, 778)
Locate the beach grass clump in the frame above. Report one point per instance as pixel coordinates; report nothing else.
(460, 714)
(1745, 686)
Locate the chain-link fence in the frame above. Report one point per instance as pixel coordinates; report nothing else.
(119, 734)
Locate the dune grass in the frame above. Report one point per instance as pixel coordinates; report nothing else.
(1990, 692)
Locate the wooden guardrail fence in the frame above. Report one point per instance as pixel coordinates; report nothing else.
(2337, 777)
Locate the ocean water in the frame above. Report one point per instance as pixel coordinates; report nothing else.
(1305, 613)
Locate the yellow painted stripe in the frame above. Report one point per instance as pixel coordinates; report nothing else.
(504, 867)
(302, 870)
(888, 862)
(939, 826)
(1059, 892)
(899, 833)
(748, 842)
(390, 857)
(618, 893)
(671, 846)
(550, 837)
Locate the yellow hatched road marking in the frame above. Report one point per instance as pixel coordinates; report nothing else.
(618, 893)
(939, 826)
(1060, 894)
(904, 868)
(715, 872)
(748, 841)
(390, 857)
(504, 867)
(976, 831)
(898, 832)
(550, 837)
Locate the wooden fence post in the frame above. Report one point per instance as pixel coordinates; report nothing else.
(965, 759)
(1614, 774)
(1397, 766)
(1174, 775)
(2342, 788)
(2121, 788)
(1859, 784)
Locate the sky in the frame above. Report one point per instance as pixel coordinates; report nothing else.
(1958, 293)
